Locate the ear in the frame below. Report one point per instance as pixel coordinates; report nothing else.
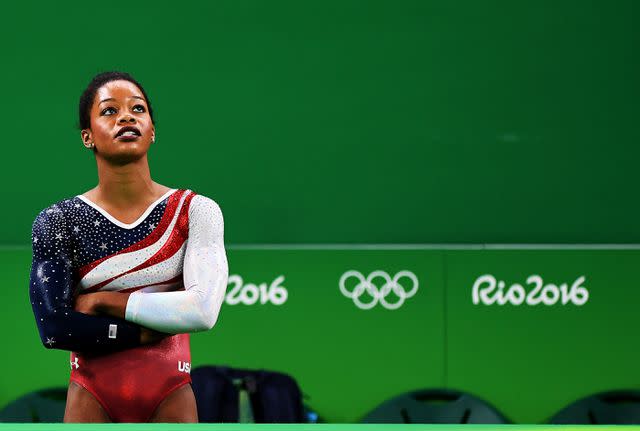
(87, 138)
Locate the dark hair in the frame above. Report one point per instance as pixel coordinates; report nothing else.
(86, 99)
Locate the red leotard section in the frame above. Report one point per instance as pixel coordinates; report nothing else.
(132, 383)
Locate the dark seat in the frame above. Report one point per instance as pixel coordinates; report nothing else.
(45, 405)
(435, 406)
(610, 408)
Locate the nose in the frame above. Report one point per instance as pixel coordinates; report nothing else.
(126, 118)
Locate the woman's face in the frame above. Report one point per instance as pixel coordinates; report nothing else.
(121, 128)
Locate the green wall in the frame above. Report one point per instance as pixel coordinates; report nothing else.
(346, 121)
(359, 122)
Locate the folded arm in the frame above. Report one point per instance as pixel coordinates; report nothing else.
(205, 273)
(51, 293)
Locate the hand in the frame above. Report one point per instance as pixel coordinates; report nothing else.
(87, 303)
(103, 303)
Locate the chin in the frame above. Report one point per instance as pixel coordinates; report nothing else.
(126, 155)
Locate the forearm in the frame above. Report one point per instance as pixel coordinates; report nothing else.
(194, 309)
(61, 327)
(78, 332)
(169, 312)
(113, 304)
(172, 312)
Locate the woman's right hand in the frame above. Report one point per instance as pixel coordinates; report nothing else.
(148, 336)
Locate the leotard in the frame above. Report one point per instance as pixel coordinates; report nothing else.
(172, 261)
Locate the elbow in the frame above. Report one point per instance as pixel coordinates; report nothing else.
(48, 338)
(206, 320)
(44, 339)
(52, 331)
(206, 314)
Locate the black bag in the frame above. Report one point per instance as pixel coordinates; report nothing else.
(225, 394)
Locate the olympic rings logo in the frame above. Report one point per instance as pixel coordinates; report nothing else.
(379, 294)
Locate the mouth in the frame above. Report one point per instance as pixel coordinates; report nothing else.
(128, 133)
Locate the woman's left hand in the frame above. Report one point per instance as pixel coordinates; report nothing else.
(109, 303)
(87, 303)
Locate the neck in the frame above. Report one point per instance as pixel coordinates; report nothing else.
(124, 185)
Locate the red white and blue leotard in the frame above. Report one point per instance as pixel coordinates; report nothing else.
(172, 260)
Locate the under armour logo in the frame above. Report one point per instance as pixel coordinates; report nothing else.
(74, 363)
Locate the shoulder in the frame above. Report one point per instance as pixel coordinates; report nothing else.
(49, 230)
(204, 209)
(203, 203)
(53, 214)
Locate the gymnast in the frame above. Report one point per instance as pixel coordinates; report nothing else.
(124, 272)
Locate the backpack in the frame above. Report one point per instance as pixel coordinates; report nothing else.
(225, 394)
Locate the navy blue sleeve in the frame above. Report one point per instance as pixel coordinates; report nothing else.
(51, 290)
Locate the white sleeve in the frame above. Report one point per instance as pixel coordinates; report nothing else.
(205, 274)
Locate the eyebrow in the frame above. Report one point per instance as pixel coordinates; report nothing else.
(111, 98)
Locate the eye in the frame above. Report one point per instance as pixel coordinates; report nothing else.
(138, 108)
(108, 111)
